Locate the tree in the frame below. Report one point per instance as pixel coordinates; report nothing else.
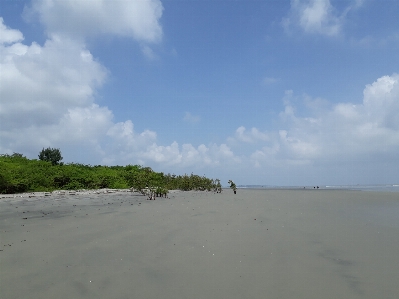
(217, 186)
(233, 186)
(52, 155)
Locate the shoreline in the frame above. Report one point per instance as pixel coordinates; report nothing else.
(72, 193)
(369, 188)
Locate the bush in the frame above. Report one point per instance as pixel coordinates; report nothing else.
(19, 174)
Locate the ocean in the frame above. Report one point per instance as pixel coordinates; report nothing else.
(380, 187)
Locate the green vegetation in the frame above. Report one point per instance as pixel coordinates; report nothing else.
(52, 155)
(218, 186)
(20, 174)
(233, 186)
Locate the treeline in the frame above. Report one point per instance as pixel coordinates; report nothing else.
(19, 174)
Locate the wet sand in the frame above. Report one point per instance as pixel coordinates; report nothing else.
(255, 244)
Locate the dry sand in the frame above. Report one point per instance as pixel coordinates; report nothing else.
(255, 244)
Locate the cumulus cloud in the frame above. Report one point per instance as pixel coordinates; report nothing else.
(47, 94)
(49, 91)
(344, 132)
(40, 83)
(252, 136)
(8, 35)
(143, 148)
(314, 16)
(126, 142)
(136, 19)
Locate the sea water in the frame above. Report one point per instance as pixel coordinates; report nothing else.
(383, 188)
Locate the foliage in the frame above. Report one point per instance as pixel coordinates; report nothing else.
(233, 186)
(217, 186)
(189, 182)
(19, 174)
(52, 155)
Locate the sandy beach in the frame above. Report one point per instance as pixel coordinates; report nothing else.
(255, 244)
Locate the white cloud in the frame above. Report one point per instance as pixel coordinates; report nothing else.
(252, 136)
(7, 35)
(314, 16)
(88, 123)
(298, 148)
(79, 19)
(381, 101)
(347, 131)
(48, 99)
(80, 128)
(47, 95)
(40, 83)
(142, 148)
(188, 117)
(125, 138)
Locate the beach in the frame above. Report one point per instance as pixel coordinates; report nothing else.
(197, 244)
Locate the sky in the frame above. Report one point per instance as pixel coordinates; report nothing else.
(300, 92)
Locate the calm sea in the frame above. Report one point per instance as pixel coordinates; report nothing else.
(384, 188)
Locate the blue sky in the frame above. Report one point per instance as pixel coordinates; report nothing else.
(261, 92)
